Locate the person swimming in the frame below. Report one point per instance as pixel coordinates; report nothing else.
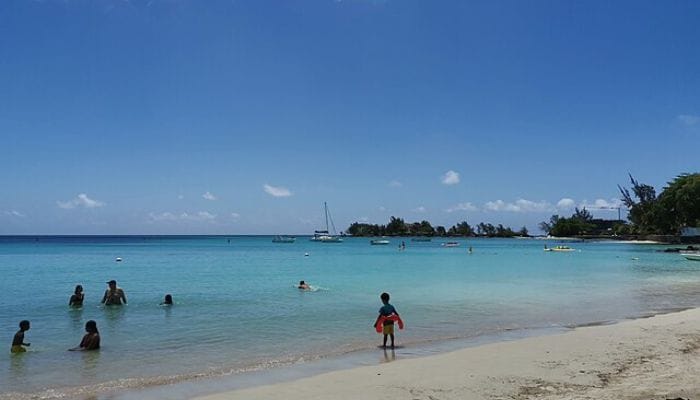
(303, 286)
(168, 301)
(91, 340)
(76, 300)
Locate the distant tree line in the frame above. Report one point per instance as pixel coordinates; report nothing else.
(398, 227)
(676, 207)
(581, 222)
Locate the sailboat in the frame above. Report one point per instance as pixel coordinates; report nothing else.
(324, 236)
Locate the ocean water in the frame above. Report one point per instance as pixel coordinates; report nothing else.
(237, 308)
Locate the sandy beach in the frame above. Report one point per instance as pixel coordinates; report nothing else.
(649, 358)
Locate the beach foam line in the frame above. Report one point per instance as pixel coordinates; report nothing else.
(644, 358)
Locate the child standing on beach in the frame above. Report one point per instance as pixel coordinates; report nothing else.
(18, 340)
(387, 324)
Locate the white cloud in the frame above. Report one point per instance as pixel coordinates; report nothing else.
(180, 197)
(235, 215)
(209, 196)
(82, 200)
(14, 213)
(462, 207)
(601, 204)
(395, 184)
(533, 206)
(450, 178)
(382, 208)
(520, 205)
(204, 216)
(277, 191)
(500, 205)
(185, 216)
(363, 219)
(688, 120)
(566, 204)
(419, 209)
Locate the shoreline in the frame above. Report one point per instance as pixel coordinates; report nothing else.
(221, 387)
(643, 358)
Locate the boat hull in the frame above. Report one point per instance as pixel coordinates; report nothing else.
(284, 239)
(691, 257)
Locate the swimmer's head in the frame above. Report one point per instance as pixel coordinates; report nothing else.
(78, 289)
(24, 325)
(302, 283)
(91, 327)
(112, 284)
(384, 297)
(168, 299)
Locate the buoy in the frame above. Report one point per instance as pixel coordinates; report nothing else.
(119, 259)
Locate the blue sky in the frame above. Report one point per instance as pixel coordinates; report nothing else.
(234, 117)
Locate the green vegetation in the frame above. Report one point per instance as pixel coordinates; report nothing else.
(580, 223)
(398, 227)
(676, 207)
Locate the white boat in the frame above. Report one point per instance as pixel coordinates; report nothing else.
(324, 236)
(376, 242)
(283, 239)
(691, 256)
(450, 244)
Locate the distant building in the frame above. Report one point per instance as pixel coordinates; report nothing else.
(603, 227)
(690, 231)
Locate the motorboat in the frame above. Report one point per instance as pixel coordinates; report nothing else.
(378, 242)
(450, 244)
(559, 248)
(691, 256)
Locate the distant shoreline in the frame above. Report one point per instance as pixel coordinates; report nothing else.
(633, 239)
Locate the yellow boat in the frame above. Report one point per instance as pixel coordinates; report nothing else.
(559, 248)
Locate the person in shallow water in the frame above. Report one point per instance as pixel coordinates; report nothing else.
(113, 295)
(18, 340)
(76, 300)
(168, 301)
(91, 340)
(303, 286)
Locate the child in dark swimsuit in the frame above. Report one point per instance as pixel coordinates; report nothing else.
(76, 300)
(18, 340)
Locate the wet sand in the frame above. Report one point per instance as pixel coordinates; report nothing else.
(649, 358)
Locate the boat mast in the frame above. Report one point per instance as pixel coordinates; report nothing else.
(325, 209)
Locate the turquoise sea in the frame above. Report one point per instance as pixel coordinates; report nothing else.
(237, 309)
